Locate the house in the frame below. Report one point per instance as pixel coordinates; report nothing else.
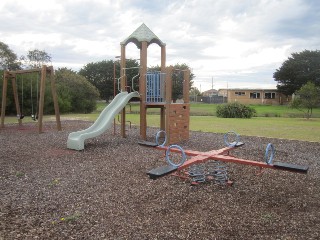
(255, 96)
(209, 96)
(210, 93)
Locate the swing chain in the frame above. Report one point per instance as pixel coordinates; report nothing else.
(35, 116)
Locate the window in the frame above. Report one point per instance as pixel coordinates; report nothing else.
(240, 93)
(270, 95)
(254, 95)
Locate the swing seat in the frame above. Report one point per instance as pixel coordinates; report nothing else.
(34, 117)
(20, 116)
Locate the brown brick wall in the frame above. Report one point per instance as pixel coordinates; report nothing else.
(178, 122)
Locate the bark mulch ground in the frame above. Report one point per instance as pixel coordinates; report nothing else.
(103, 192)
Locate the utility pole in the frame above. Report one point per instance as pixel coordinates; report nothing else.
(212, 83)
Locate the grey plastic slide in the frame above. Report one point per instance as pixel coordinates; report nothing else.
(103, 122)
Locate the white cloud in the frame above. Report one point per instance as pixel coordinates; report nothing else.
(236, 42)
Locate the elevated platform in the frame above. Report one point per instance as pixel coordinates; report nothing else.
(155, 105)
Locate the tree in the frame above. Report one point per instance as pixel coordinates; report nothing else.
(8, 59)
(36, 58)
(177, 79)
(307, 98)
(101, 75)
(194, 92)
(297, 70)
(75, 93)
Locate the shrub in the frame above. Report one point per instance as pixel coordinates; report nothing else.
(75, 93)
(235, 110)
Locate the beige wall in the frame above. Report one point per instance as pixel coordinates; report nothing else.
(255, 96)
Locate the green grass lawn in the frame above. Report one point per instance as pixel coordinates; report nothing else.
(274, 127)
(203, 109)
(285, 125)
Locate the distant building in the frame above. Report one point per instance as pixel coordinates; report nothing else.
(210, 93)
(255, 96)
(210, 96)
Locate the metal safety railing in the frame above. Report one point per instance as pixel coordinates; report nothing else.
(133, 80)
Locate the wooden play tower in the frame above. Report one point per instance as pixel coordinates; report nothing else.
(155, 89)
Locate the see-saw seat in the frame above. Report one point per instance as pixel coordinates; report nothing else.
(291, 167)
(161, 171)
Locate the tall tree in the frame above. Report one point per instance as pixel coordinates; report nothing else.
(36, 58)
(8, 59)
(307, 98)
(75, 92)
(101, 75)
(297, 70)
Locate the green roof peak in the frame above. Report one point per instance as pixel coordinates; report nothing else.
(143, 34)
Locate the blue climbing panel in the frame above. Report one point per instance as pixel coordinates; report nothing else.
(155, 87)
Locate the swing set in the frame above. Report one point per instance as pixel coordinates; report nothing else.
(36, 102)
(34, 115)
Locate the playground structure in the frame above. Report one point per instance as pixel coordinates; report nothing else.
(195, 169)
(155, 91)
(44, 71)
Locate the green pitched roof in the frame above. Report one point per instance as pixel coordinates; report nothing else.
(143, 34)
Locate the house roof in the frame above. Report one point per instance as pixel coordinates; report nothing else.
(211, 91)
(142, 34)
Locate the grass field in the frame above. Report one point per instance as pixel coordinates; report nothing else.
(202, 109)
(272, 121)
(286, 128)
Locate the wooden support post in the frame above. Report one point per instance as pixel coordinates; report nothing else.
(162, 118)
(41, 98)
(142, 90)
(169, 71)
(4, 97)
(163, 70)
(163, 58)
(55, 98)
(186, 86)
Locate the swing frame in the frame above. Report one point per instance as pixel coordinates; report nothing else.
(44, 71)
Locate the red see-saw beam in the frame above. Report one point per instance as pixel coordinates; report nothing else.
(223, 155)
(218, 155)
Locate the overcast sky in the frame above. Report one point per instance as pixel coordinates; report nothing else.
(230, 43)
